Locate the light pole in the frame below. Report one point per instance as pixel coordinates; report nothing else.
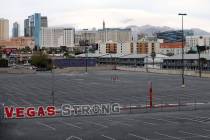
(86, 59)
(52, 88)
(199, 60)
(147, 63)
(200, 48)
(182, 14)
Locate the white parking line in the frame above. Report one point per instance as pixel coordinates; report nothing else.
(13, 102)
(28, 103)
(120, 123)
(206, 130)
(45, 125)
(194, 134)
(171, 137)
(79, 79)
(164, 120)
(18, 132)
(70, 124)
(98, 124)
(73, 137)
(140, 137)
(40, 102)
(202, 119)
(130, 119)
(125, 124)
(148, 123)
(110, 138)
(189, 119)
(140, 121)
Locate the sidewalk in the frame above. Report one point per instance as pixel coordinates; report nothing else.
(164, 71)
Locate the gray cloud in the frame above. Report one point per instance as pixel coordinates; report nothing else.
(88, 14)
(127, 20)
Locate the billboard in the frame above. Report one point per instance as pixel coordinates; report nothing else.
(8, 51)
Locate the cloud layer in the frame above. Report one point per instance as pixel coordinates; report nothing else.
(116, 13)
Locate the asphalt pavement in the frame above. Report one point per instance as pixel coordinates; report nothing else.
(125, 88)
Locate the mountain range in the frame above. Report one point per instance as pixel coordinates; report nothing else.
(150, 30)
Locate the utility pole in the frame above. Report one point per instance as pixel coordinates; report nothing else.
(199, 61)
(183, 66)
(200, 47)
(52, 88)
(86, 59)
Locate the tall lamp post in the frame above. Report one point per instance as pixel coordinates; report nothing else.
(86, 59)
(182, 14)
(200, 48)
(199, 59)
(52, 87)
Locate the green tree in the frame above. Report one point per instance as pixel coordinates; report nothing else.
(169, 54)
(3, 63)
(77, 51)
(153, 55)
(42, 61)
(191, 51)
(203, 61)
(63, 49)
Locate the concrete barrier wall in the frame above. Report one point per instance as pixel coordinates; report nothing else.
(164, 71)
(83, 69)
(16, 71)
(64, 70)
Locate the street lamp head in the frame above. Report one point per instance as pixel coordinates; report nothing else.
(182, 14)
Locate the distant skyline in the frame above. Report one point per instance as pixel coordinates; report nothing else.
(116, 13)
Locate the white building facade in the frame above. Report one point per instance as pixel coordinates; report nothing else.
(82, 35)
(193, 41)
(57, 37)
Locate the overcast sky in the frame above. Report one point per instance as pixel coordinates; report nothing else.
(117, 13)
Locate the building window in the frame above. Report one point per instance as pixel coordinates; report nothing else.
(111, 48)
(131, 48)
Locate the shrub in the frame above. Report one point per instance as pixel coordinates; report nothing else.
(41, 61)
(3, 63)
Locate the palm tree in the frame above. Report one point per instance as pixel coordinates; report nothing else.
(153, 55)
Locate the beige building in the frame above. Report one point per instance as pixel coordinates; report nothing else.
(18, 43)
(4, 29)
(115, 35)
(85, 35)
(111, 47)
(147, 46)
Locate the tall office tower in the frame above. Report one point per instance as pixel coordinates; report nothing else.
(104, 25)
(32, 27)
(4, 29)
(15, 30)
(26, 28)
(44, 21)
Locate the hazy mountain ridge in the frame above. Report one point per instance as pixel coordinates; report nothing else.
(150, 30)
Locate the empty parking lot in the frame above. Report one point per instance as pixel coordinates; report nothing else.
(103, 87)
